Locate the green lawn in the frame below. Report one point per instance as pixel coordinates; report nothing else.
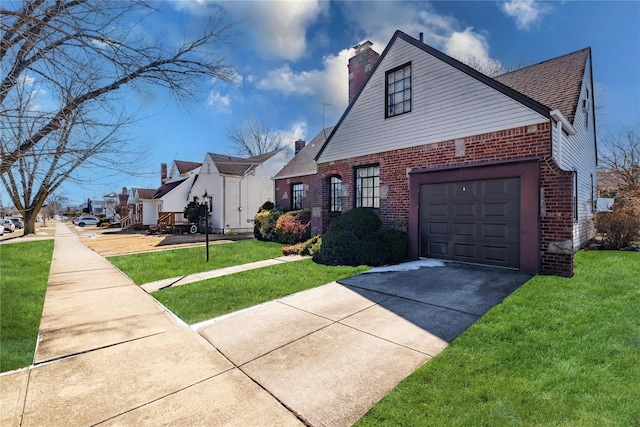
(24, 271)
(152, 266)
(557, 352)
(211, 298)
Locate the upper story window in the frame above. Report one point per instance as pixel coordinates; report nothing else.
(335, 194)
(297, 191)
(368, 187)
(398, 91)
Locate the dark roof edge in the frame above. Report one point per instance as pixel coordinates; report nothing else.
(511, 93)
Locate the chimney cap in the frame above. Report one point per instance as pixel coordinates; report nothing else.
(362, 46)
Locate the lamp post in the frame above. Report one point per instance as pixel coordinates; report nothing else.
(206, 222)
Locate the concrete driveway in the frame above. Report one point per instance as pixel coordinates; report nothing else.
(330, 353)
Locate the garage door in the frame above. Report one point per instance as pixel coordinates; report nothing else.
(472, 221)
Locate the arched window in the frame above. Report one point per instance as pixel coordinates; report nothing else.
(335, 194)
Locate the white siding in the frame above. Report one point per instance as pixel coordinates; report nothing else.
(446, 104)
(578, 153)
(178, 198)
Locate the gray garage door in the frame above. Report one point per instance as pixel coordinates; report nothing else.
(472, 221)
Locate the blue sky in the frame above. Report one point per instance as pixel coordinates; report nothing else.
(291, 57)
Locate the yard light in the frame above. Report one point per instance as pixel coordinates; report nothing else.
(206, 222)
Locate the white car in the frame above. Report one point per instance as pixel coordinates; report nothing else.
(83, 220)
(8, 225)
(1, 230)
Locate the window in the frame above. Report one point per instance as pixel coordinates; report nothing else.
(335, 194)
(398, 91)
(368, 187)
(297, 192)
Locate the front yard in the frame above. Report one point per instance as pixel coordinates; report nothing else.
(557, 352)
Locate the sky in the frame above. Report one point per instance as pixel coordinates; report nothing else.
(291, 60)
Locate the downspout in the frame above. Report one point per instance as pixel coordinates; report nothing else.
(561, 123)
(224, 202)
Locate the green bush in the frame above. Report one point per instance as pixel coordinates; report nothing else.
(311, 246)
(265, 224)
(370, 252)
(266, 206)
(339, 246)
(396, 245)
(361, 221)
(293, 227)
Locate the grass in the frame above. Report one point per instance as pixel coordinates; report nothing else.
(557, 352)
(24, 272)
(152, 266)
(211, 298)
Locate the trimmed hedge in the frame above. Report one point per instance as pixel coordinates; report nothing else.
(293, 227)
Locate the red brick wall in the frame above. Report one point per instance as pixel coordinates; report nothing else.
(512, 144)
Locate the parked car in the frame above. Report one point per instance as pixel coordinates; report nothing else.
(1, 230)
(8, 225)
(83, 220)
(17, 222)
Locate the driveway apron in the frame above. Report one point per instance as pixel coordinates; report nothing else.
(108, 354)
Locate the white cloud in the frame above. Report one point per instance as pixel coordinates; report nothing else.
(298, 130)
(379, 20)
(329, 84)
(525, 12)
(277, 28)
(219, 103)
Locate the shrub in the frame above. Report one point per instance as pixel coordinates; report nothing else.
(370, 252)
(293, 227)
(292, 249)
(396, 245)
(266, 206)
(311, 246)
(620, 228)
(265, 224)
(361, 221)
(338, 247)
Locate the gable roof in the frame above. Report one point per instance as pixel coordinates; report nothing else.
(146, 193)
(523, 98)
(165, 188)
(556, 82)
(238, 166)
(184, 167)
(302, 163)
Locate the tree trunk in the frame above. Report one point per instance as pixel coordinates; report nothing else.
(29, 219)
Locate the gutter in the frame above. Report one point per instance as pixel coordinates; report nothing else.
(558, 117)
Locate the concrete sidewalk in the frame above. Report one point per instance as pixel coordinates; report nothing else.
(109, 355)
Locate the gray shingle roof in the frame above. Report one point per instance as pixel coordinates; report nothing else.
(184, 167)
(146, 193)
(302, 163)
(555, 83)
(239, 166)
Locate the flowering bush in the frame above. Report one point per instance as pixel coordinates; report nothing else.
(293, 227)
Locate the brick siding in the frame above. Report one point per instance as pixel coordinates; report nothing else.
(556, 222)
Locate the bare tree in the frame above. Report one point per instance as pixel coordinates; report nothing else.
(65, 71)
(253, 138)
(619, 162)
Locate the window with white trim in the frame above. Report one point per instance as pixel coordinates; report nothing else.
(398, 91)
(368, 186)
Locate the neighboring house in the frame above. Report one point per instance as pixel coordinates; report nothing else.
(172, 196)
(111, 201)
(143, 210)
(498, 171)
(295, 183)
(237, 187)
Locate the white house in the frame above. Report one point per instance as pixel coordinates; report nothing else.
(237, 187)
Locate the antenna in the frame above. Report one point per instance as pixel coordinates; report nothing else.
(324, 105)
